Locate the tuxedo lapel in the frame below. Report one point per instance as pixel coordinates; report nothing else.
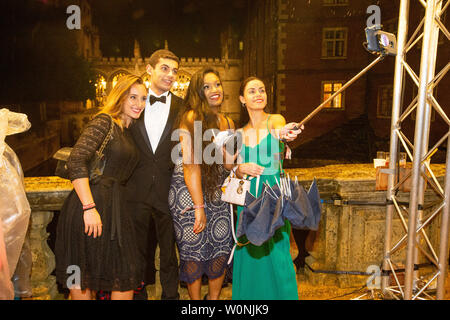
(174, 107)
(141, 135)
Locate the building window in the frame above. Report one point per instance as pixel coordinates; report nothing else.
(116, 78)
(180, 86)
(100, 90)
(146, 78)
(384, 106)
(335, 2)
(328, 89)
(334, 43)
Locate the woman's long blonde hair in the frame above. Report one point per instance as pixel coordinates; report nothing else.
(117, 96)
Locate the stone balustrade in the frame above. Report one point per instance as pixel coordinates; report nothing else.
(350, 236)
(45, 195)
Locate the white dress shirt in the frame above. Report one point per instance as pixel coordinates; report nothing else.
(155, 117)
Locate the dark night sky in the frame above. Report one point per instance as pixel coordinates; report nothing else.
(191, 27)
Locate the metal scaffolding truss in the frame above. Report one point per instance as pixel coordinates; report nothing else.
(415, 240)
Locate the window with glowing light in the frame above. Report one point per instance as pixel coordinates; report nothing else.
(100, 89)
(180, 86)
(334, 43)
(116, 78)
(328, 89)
(146, 78)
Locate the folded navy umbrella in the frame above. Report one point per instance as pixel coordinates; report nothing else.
(297, 208)
(262, 216)
(314, 199)
(303, 208)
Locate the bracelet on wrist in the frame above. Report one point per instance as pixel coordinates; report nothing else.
(89, 206)
(85, 210)
(197, 206)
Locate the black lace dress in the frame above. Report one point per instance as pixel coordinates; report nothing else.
(107, 262)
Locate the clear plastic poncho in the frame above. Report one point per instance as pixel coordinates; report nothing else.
(14, 212)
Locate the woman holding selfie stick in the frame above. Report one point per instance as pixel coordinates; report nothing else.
(263, 272)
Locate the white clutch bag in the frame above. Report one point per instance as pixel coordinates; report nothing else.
(234, 189)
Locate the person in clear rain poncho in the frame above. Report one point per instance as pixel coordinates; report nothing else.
(14, 210)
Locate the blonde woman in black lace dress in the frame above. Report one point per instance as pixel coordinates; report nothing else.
(95, 244)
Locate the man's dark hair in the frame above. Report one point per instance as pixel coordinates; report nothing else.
(164, 54)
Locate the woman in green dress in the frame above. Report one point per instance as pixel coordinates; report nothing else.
(263, 272)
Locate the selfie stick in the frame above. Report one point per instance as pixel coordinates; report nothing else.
(345, 86)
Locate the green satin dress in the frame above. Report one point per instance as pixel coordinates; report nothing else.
(264, 272)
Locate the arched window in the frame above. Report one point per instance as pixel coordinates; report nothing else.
(180, 86)
(146, 78)
(116, 77)
(100, 89)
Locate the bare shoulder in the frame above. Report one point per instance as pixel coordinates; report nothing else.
(277, 121)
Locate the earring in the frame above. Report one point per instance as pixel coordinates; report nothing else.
(243, 105)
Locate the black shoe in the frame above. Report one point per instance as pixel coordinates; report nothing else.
(300, 261)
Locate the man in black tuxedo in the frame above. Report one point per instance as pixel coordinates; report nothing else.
(150, 182)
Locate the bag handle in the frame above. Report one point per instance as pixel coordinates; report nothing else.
(246, 177)
(107, 138)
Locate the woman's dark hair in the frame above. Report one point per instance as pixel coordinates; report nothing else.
(244, 114)
(244, 84)
(196, 102)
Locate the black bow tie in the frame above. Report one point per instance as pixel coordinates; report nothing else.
(153, 99)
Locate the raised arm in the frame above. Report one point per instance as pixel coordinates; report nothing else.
(281, 130)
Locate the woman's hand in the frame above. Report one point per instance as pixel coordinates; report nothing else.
(251, 169)
(229, 159)
(200, 220)
(290, 132)
(92, 223)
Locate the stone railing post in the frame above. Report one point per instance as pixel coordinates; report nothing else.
(43, 260)
(45, 195)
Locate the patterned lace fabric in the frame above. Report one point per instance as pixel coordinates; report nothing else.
(206, 252)
(193, 270)
(84, 149)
